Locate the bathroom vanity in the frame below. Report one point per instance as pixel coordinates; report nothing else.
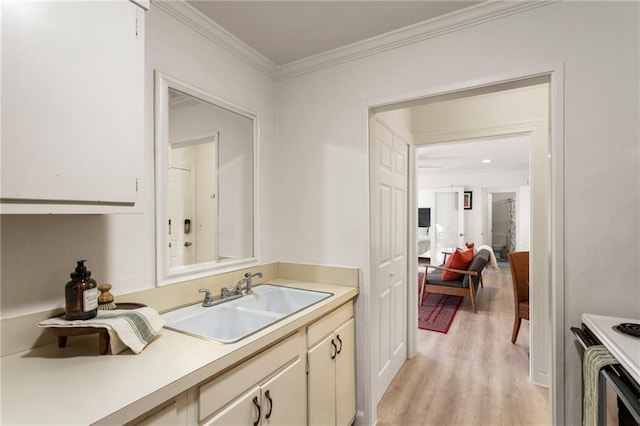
(282, 374)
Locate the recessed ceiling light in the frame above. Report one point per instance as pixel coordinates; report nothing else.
(487, 161)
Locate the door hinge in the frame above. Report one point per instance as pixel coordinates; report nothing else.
(136, 184)
(307, 363)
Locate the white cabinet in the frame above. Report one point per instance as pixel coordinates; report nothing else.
(268, 389)
(331, 378)
(278, 401)
(72, 96)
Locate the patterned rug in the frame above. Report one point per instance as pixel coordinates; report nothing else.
(437, 311)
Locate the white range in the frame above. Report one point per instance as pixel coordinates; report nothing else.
(625, 348)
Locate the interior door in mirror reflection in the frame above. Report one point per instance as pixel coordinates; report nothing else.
(181, 206)
(199, 221)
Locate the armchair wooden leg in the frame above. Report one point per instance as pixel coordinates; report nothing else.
(516, 329)
(472, 292)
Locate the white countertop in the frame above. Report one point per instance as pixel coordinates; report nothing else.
(625, 348)
(75, 385)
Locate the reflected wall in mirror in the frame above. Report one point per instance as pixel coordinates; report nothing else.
(204, 183)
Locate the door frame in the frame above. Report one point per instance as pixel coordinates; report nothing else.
(555, 72)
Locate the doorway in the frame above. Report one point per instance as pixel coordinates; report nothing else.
(546, 214)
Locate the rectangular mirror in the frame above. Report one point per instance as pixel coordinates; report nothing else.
(205, 191)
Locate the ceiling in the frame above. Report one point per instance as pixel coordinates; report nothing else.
(507, 153)
(287, 31)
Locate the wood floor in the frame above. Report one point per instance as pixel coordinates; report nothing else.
(472, 375)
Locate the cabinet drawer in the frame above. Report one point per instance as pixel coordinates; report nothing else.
(220, 391)
(326, 325)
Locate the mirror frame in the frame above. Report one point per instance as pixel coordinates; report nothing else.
(164, 274)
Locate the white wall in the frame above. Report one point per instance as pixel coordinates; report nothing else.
(39, 252)
(472, 181)
(323, 178)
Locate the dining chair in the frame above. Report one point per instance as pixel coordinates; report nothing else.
(519, 264)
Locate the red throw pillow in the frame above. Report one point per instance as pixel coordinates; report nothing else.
(458, 260)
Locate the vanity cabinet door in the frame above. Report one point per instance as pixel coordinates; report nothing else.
(72, 106)
(331, 377)
(276, 377)
(242, 411)
(280, 401)
(345, 374)
(322, 383)
(284, 399)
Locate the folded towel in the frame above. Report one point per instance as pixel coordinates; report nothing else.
(595, 357)
(133, 328)
(492, 265)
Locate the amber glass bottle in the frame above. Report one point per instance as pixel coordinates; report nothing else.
(81, 295)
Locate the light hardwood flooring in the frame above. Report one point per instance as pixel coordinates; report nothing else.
(473, 375)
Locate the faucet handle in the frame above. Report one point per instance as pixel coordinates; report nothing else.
(208, 300)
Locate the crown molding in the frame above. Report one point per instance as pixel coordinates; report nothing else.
(454, 21)
(200, 23)
(474, 171)
(512, 128)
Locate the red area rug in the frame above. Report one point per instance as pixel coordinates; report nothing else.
(437, 311)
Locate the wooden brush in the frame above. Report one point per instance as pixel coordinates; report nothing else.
(105, 300)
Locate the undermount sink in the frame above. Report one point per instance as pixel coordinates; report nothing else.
(234, 320)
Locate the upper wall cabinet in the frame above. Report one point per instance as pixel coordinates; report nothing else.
(72, 106)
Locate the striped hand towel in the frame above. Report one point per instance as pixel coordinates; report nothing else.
(127, 328)
(595, 357)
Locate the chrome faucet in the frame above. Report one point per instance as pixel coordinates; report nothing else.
(237, 289)
(208, 300)
(235, 292)
(248, 278)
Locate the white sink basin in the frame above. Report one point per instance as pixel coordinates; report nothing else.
(278, 300)
(231, 321)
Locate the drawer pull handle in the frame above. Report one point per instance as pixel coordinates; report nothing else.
(335, 349)
(339, 340)
(255, 402)
(270, 404)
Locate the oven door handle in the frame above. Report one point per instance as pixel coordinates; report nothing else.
(623, 392)
(584, 340)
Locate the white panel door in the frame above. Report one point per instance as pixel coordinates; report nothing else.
(448, 229)
(389, 256)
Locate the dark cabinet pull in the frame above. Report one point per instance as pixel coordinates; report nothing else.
(339, 340)
(270, 404)
(335, 349)
(255, 402)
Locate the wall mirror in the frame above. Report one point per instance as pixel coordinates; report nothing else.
(205, 183)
